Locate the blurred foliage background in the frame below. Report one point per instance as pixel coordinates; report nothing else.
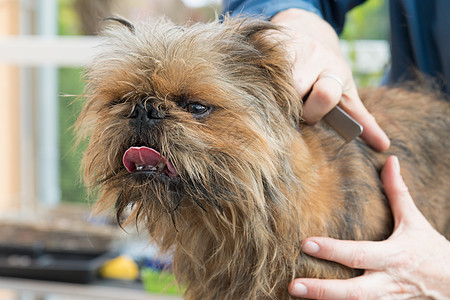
(83, 17)
(369, 21)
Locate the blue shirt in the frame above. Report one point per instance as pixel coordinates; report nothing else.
(420, 31)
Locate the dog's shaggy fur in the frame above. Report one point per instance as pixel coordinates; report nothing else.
(251, 181)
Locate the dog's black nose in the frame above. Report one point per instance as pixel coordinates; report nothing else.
(145, 116)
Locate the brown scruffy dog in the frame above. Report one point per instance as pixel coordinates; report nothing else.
(197, 131)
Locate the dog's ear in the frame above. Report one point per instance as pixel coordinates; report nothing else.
(271, 57)
(121, 21)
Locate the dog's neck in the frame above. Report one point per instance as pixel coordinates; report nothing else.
(311, 166)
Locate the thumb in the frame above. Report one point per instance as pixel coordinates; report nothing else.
(403, 208)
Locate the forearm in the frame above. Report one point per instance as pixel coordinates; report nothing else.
(310, 23)
(268, 8)
(331, 11)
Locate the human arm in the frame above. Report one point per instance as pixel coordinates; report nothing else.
(413, 262)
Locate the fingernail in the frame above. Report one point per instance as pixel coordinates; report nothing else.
(298, 289)
(387, 141)
(310, 247)
(396, 165)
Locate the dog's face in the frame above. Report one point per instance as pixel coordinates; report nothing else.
(201, 116)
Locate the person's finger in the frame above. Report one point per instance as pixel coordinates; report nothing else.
(402, 205)
(372, 134)
(354, 254)
(325, 289)
(326, 94)
(364, 287)
(304, 79)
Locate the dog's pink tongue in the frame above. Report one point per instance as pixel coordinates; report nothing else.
(148, 158)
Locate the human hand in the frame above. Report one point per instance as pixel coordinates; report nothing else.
(320, 69)
(414, 262)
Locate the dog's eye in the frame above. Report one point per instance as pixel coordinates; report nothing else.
(197, 109)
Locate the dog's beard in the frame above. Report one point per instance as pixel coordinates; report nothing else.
(206, 168)
(204, 179)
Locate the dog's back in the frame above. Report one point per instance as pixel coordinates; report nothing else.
(418, 124)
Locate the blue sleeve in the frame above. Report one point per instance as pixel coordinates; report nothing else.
(331, 10)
